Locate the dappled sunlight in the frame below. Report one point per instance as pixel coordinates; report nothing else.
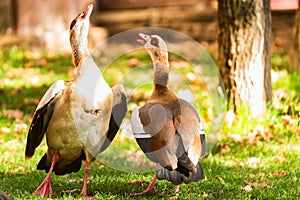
(253, 155)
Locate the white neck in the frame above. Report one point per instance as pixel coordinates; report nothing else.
(79, 49)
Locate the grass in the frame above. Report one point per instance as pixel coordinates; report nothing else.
(255, 159)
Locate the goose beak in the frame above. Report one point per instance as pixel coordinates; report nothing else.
(143, 38)
(88, 11)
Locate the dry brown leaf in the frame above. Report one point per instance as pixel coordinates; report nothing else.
(248, 188)
(298, 132)
(221, 180)
(179, 64)
(224, 148)
(279, 174)
(21, 128)
(257, 184)
(278, 158)
(253, 162)
(253, 184)
(4, 130)
(265, 183)
(139, 182)
(133, 62)
(235, 137)
(205, 195)
(260, 133)
(240, 164)
(289, 120)
(14, 114)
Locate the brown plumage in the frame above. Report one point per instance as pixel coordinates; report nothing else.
(79, 118)
(168, 129)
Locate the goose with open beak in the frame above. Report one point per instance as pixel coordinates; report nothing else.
(168, 129)
(79, 118)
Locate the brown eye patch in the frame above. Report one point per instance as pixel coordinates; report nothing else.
(154, 42)
(72, 24)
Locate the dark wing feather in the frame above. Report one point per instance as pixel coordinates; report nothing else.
(37, 128)
(42, 117)
(119, 111)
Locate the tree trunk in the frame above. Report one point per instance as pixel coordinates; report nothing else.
(244, 52)
(295, 52)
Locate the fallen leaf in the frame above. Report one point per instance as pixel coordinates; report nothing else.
(59, 184)
(21, 128)
(4, 130)
(248, 188)
(235, 137)
(279, 174)
(253, 184)
(224, 148)
(253, 162)
(260, 133)
(139, 182)
(240, 164)
(179, 64)
(133, 62)
(205, 195)
(13, 114)
(265, 183)
(278, 158)
(298, 132)
(221, 180)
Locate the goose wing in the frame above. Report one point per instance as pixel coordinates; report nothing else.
(42, 116)
(189, 126)
(119, 111)
(168, 133)
(153, 130)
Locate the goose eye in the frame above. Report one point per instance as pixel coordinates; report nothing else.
(154, 42)
(72, 24)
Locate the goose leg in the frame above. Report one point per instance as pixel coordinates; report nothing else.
(45, 188)
(86, 174)
(149, 189)
(176, 188)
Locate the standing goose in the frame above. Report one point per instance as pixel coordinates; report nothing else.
(79, 118)
(168, 129)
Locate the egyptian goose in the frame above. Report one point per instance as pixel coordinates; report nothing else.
(79, 117)
(168, 129)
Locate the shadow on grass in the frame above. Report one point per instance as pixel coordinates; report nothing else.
(222, 182)
(102, 182)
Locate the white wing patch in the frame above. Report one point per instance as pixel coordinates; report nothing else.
(137, 126)
(55, 88)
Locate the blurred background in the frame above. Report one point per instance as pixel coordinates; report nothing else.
(259, 154)
(44, 24)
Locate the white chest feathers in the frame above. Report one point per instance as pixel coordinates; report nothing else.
(91, 90)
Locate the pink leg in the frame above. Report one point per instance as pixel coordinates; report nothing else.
(45, 188)
(86, 174)
(149, 189)
(176, 188)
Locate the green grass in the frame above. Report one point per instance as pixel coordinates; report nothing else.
(263, 163)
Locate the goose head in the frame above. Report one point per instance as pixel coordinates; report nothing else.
(79, 29)
(155, 46)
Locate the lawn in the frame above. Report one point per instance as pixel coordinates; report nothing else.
(254, 159)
